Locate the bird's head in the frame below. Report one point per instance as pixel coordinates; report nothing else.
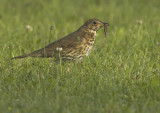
(94, 25)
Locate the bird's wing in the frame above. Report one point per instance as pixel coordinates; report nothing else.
(65, 42)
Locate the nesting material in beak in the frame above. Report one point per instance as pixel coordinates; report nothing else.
(105, 29)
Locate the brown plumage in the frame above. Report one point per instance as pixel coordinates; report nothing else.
(74, 46)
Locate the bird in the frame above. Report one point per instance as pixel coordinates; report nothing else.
(73, 47)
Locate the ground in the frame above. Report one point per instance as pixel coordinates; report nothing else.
(121, 75)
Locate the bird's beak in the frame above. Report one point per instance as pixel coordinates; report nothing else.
(105, 28)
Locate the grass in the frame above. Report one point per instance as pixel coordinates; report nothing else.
(121, 75)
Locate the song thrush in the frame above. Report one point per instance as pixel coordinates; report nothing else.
(74, 46)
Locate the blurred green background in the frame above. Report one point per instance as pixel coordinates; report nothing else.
(122, 74)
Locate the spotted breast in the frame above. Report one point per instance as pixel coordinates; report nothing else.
(81, 49)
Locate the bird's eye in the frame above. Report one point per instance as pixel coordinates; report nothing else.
(94, 23)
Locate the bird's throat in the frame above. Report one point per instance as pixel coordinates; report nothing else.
(92, 32)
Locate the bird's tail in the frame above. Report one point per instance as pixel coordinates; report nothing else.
(21, 56)
(38, 53)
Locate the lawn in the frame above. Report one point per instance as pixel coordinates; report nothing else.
(121, 75)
